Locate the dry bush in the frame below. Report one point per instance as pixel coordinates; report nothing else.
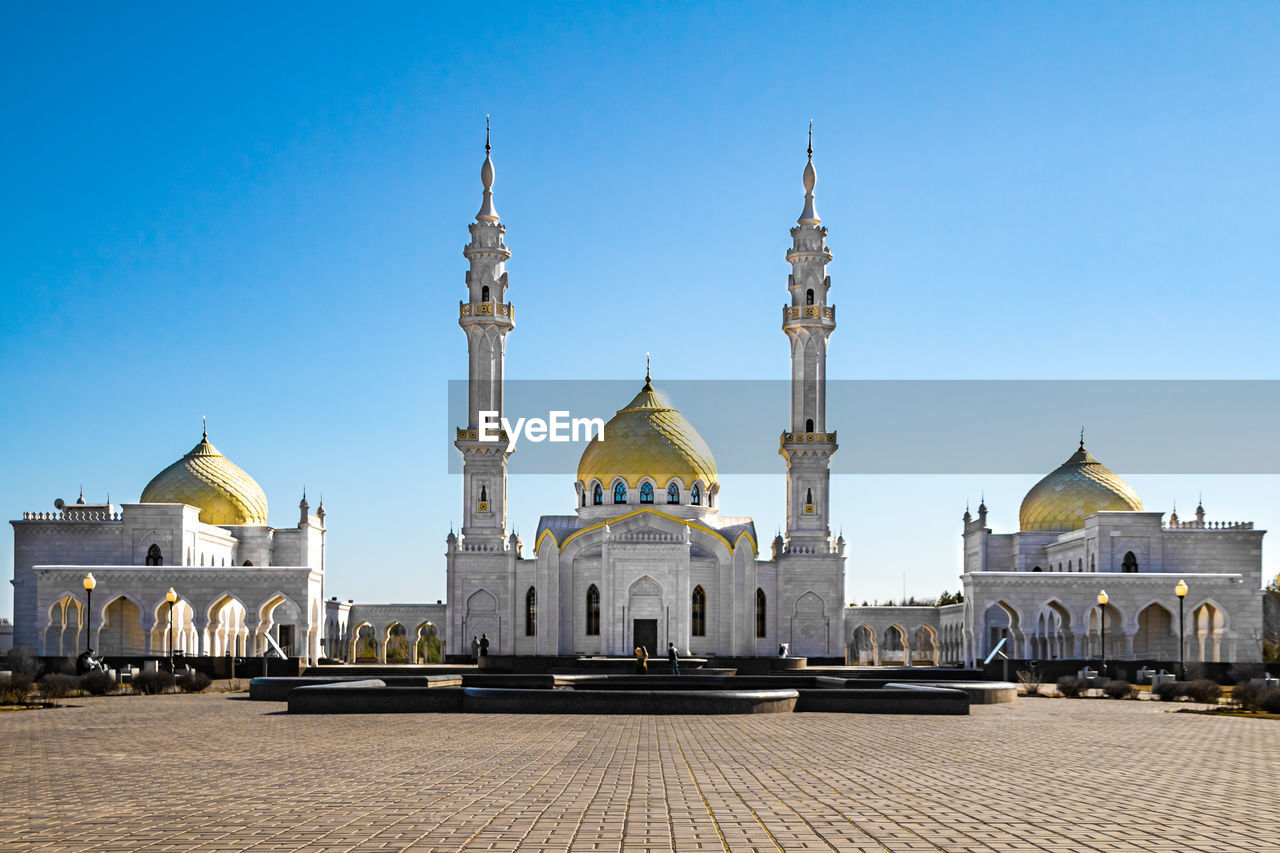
(152, 683)
(193, 682)
(1071, 686)
(57, 686)
(1118, 688)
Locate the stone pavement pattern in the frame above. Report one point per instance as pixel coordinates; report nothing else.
(213, 773)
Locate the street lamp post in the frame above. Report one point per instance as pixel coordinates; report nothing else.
(1102, 618)
(171, 597)
(89, 584)
(1181, 590)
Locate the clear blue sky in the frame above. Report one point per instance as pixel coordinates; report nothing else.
(256, 213)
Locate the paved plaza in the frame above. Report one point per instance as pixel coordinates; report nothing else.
(215, 772)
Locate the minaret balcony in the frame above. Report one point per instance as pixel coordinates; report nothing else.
(809, 312)
(486, 310)
(808, 438)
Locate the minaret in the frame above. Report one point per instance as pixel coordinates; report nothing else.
(808, 321)
(486, 318)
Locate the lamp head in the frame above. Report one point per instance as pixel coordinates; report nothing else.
(1103, 598)
(171, 596)
(1181, 589)
(90, 582)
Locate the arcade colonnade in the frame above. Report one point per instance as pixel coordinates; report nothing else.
(1064, 621)
(217, 612)
(386, 633)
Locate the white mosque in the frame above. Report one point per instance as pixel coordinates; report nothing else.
(645, 556)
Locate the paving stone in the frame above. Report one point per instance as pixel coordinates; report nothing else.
(213, 773)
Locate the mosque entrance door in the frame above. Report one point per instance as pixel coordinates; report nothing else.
(646, 633)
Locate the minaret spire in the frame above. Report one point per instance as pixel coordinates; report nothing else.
(809, 216)
(487, 212)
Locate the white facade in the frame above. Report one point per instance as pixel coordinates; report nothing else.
(1039, 589)
(234, 583)
(646, 557)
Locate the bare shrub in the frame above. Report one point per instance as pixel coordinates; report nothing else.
(1204, 690)
(15, 688)
(1168, 690)
(1269, 700)
(57, 686)
(193, 682)
(97, 683)
(1071, 686)
(152, 683)
(1245, 696)
(1031, 681)
(1118, 688)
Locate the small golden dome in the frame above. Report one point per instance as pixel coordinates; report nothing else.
(206, 479)
(648, 439)
(1079, 486)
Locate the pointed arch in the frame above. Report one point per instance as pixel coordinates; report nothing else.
(619, 492)
(646, 492)
(593, 611)
(154, 557)
(597, 494)
(531, 612)
(695, 494)
(698, 614)
(762, 614)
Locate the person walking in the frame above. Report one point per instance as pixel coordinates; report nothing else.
(673, 658)
(484, 645)
(475, 648)
(642, 655)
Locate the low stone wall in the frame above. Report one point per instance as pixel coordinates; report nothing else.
(278, 689)
(895, 699)
(374, 697)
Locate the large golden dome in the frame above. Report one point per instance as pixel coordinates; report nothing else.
(1079, 486)
(207, 479)
(648, 438)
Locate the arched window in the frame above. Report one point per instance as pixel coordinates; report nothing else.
(593, 611)
(1059, 566)
(584, 498)
(1080, 565)
(484, 293)
(154, 558)
(808, 496)
(673, 494)
(1036, 569)
(808, 425)
(248, 562)
(699, 612)
(646, 493)
(597, 495)
(620, 493)
(530, 613)
(808, 297)
(1130, 564)
(762, 623)
(1093, 566)
(484, 494)
(695, 495)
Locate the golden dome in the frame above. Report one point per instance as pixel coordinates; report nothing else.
(648, 438)
(205, 478)
(1079, 486)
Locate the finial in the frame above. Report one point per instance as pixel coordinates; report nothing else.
(646, 369)
(1082, 437)
(204, 428)
(809, 216)
(487, 212)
